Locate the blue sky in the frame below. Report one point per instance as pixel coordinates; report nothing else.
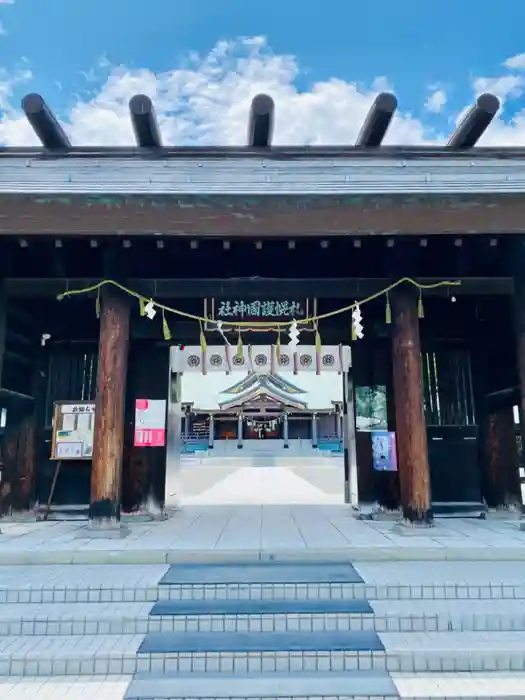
(310, 54)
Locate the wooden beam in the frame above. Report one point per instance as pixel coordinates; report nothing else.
(45, 125)
(144, 121)
(474, 123)
(377, 121)
(335, 288)
(104, 510)
(260, 128)
(411, 433)
(260, 217)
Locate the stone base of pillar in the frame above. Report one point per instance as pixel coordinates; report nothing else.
(414, 525)
(105, 509)
(106, 528)
(239, 447)
(286, 446)
(522, 525)
(413, 517)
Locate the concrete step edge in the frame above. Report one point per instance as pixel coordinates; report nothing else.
(317, 623)
(355, 554)
(239, 591)
(90, 663)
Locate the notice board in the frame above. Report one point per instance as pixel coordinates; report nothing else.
(73, 430)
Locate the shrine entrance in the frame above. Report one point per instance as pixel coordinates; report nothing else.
(260, 424)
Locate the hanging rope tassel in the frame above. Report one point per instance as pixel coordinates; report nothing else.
(165, 327)
(142, 306)
(97, 303)
(388, 311)
(203, 343)
(239, 353)
(420, 309)
(318, 350)
(318, 341)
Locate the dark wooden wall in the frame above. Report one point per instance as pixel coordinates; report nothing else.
(19, 392)
(144, 467)
(467, 352)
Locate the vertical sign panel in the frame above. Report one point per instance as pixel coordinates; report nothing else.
(384, 455)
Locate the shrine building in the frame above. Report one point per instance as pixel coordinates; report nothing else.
(355, 311)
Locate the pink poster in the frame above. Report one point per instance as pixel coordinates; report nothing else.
(150, 423)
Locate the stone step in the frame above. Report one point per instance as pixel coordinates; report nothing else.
(234, 653)
(266, 580)
(363, 684)
(260, 616)
(460, 686)
(319, 686)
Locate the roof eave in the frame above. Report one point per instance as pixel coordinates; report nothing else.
(269, 153)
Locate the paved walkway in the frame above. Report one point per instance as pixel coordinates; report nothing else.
(253, 532)
(272, 485)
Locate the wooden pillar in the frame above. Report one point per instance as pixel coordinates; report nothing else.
(108, 440)
(411, 433)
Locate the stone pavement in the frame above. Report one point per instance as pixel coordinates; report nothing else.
(218, 533)
(269, 480)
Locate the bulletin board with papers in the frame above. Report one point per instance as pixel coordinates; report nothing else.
(73, 429)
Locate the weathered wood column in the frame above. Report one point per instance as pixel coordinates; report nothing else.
(106, 475)
(411, 433)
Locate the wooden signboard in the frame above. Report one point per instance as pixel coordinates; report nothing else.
(73, 429)
(271, 311)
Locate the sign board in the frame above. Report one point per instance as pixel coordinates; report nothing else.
(263, 310)
(260, 309)
(150, 423)
(384, 456)
(73, 429)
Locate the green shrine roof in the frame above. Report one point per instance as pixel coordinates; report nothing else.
(257, 387)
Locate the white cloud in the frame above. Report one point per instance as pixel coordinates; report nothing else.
(504, 86)
(436, 101)
(206, 100)
(516, 62)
